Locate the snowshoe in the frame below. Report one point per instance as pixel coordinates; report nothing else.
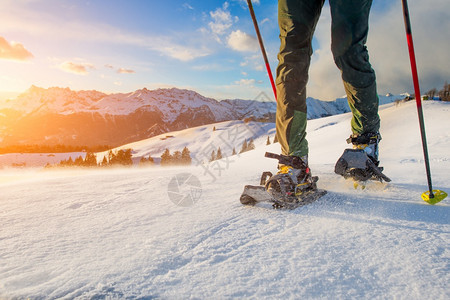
(292, 187)
(361, 163)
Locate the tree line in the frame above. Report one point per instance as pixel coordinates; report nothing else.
(123, 157)
(116, 158)
(177, 158)
(443, 94)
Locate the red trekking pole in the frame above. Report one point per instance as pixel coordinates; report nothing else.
(261, 45)
(431, 196)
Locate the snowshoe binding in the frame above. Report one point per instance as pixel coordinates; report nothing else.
(361, 163)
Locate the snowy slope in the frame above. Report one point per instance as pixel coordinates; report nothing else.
(36, 159)
(202, 140)
(114, 234)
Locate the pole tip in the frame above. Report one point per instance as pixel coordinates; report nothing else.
(433, 197)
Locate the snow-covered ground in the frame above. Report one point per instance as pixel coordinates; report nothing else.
(107, 234)
(36, 159)
(202, 140)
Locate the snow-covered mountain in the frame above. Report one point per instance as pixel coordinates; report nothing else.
(62, 116)
(118, 233)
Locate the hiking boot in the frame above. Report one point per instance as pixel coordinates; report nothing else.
(292, 180)
(361, 163)
(367, 142)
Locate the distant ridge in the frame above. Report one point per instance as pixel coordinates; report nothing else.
(62, 116)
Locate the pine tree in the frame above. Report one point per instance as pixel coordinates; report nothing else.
(214, 128)
(143, 161)
(146, 161)
(275, 139)
(234, 151)
(120, 157)
(251, 145)
(431, 93)
(213, 156)
(79, 161)
(166, 158)
(125, 157)
(268, 140)
(186, 156)
(62, 163)
(244, 147)
(219, 154)
(176, 157)
(104, 162)
(111, 157)
(444, 94)
(90, 160)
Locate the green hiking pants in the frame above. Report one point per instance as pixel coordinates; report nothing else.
(297, 20)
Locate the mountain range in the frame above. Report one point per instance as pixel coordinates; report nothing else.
(89, 118)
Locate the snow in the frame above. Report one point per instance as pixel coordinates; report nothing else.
(202, 140)
(115, 234)
(36, 159)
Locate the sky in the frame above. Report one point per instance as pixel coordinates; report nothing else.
(207, 46)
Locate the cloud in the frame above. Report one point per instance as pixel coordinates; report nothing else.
(184, 48)
(182, 53)
(244, 3)
(243, 42)
(246, 89)
(266, 20)
(245, 82)
(388, 50)
(120, 70)
(255, 62)
(212, 67)
(76, 68)
(125, 71)
(430, 22)
(180, 46)
(187, 6)
(221, 20)
(324, 77)
(13, 51)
